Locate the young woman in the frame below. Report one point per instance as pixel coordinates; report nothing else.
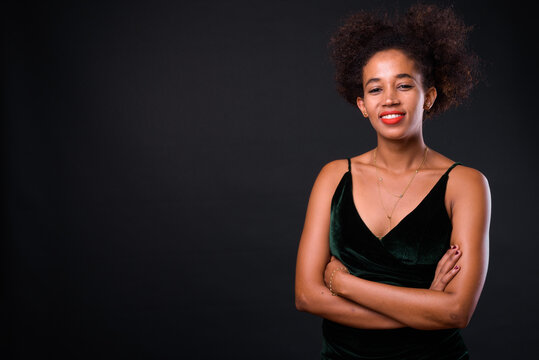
(394, 250)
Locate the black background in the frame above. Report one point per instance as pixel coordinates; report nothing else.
(159, 159)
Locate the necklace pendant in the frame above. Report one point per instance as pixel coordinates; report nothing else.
(398, 196)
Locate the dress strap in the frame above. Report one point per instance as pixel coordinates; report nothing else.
(349, 165)
(451, 168)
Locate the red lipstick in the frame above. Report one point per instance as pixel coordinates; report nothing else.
(391, 117)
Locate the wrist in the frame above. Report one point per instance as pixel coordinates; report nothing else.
(335, 280)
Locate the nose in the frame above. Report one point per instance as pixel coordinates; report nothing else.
(391, 98)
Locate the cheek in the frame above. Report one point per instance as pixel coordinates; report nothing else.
(369, 103)
(416, 99)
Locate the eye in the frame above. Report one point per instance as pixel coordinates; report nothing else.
(405, 86)
(375, 90)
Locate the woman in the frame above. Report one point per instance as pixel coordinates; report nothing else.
(394, 250)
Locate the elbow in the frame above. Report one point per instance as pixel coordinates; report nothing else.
(310, 298)
(462, 321)
(301, 301)
(448, 317)
(459, 323)
(307, 300)
(460, 317)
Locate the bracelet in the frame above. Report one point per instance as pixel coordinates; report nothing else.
(331, 279)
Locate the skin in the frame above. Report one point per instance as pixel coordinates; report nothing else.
(391, 82)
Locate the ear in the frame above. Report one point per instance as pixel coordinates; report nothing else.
(430, 98)
(361, 105)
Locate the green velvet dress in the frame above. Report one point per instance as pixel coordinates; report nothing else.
(407, 256)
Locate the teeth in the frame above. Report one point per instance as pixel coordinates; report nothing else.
(391, 116)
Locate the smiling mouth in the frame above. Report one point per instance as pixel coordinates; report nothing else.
(391, 117)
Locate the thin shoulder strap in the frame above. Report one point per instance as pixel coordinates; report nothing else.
(349, 165)
(451, 168)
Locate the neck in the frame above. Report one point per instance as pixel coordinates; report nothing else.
(400, 156)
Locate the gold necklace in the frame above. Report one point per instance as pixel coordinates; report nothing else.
(379, 180)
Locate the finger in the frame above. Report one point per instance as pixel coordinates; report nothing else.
(444, 258)
(449, 276)
(450, 261)
(441, 283)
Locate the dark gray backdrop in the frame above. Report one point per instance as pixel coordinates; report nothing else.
(159, 158)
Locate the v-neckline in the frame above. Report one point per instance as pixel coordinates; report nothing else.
(381, 239)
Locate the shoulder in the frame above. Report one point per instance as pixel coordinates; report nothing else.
(463, 176)
(466, 184)
(332, 172)
(326, 184)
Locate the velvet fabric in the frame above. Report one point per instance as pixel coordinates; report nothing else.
(407, 256)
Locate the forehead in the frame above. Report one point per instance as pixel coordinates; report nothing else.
(388, 64)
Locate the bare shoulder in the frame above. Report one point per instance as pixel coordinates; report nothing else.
(466, 184)
(463, 176)
(326, 183)
(332, 172)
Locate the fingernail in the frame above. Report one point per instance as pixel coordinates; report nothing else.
(456, 267)
(457, 252)
(453, 246)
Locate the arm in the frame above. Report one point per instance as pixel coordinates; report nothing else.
(425, 308)
(313, 254)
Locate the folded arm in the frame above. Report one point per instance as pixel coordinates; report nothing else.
(313, 255)
(425, 308)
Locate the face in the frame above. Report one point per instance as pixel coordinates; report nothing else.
(394, 98)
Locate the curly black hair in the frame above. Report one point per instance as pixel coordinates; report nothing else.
(434, 37)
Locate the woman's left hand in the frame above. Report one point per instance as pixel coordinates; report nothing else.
(333, 267)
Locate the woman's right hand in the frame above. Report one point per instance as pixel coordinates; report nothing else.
(446, 269)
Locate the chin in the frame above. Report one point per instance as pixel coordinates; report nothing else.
(396, 133)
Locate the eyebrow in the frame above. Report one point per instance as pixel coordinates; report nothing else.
(399, 76)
